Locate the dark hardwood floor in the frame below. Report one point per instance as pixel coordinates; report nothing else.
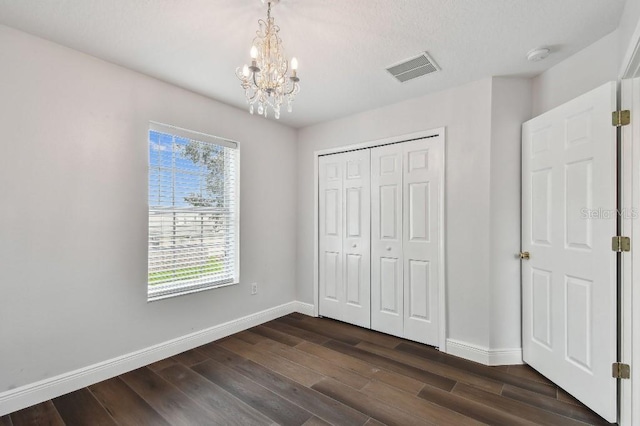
(299, 370)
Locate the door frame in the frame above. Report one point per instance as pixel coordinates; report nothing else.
(438, 134)
(629, 347)
(629, 98)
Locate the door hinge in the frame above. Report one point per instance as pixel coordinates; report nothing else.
(621, 118)
(620, 370)
(621, 244)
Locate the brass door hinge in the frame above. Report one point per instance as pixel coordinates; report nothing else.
(620, 370)
(621, 244)
(621, 118)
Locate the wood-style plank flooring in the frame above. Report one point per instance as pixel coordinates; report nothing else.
(299, 370)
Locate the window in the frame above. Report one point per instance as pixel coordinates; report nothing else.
(193, 212)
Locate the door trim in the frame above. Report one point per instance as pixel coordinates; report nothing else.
(629, 413)
(438, 133)
(629, 390)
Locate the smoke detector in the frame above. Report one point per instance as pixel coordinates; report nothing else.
(538, 54)
(415, 67)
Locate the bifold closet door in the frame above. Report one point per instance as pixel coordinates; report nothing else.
(387, 304)
(344, 222)
(423, 163)
(406, 185)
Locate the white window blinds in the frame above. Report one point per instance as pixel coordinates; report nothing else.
(193, 212)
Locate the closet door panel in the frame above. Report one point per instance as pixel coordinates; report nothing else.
(422, 171)
(380, 238)
(344, 222)
(387, 305)
(390, 287)
(331, 233)
(357, 238)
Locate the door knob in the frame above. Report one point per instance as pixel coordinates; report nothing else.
(524, 255)
(388, 248)
(354, 246)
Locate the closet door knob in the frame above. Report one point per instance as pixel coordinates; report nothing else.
(354, 246)
(388, 248)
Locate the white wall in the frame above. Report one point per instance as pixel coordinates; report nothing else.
(482, 235)
(628, 31)
(510, 107)
(73, 212)
(466, 113)
(578, 74)
(603, 61)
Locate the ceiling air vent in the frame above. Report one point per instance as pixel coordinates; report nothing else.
(413, 68)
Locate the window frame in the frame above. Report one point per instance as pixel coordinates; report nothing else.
(179, 288)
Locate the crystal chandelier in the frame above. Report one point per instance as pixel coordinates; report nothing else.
(266, 81)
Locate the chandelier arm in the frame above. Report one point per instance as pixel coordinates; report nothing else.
(252, 99)
(294, 88)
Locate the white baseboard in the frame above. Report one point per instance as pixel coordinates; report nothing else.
(484, 355)
(34, 393)
(304, 308)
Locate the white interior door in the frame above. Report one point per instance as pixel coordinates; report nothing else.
(387, 271)
(568, 220)
(344, 271)
(422, 194)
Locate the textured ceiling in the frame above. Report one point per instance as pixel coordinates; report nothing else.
(343, 46)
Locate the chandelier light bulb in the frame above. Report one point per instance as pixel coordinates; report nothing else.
(245, 71)
(294, 64)
(254, 52)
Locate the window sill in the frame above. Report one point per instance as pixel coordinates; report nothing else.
(153, 296)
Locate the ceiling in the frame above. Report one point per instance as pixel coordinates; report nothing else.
(343, 46)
